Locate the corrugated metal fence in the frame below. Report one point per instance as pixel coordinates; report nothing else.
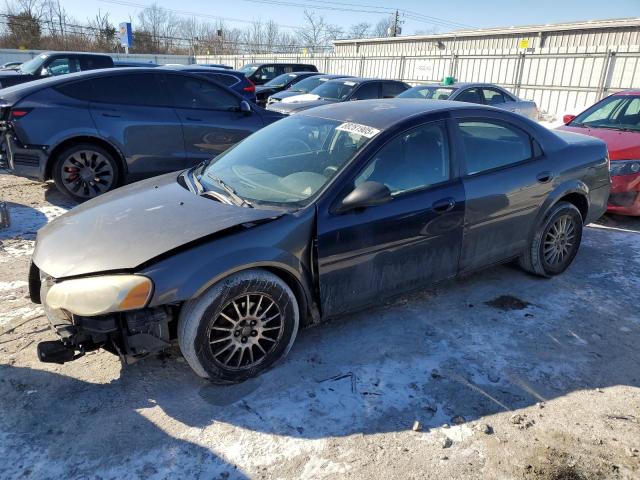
(558, 79)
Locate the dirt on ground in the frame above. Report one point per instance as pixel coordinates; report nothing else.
(498, 375)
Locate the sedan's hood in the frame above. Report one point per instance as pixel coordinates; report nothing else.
(131, 225)
(622, 145)
(292, 107)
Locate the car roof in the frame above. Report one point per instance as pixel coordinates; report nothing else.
(23, 89)
(383, 113)
(459, 85)
(633, 91)
(363, 79)
(74, 53)
(199, 68)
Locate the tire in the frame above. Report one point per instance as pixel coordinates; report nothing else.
(97, 171)
(219, 340)
(553, 248)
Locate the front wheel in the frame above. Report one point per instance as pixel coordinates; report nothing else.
(85, 171)
(555, 242)
(239, 327)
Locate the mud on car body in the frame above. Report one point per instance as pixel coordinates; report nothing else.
(312, 217)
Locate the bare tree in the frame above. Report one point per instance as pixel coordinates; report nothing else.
(160, 24)
(359, 30)
(24, 23)
(313, 34)
(381, 28)
(105, 33)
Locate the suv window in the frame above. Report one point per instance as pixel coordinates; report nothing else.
(82, 90)
(392, 89)
(268, 72)
(414, 159)
(367, 91)
(225, 79)
(63, 65)
(490, 145)
(93, 63)
(470, 95)
(191, 92)
(142, 89)
(493, 96)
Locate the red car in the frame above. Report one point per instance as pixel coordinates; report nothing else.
(616, 120)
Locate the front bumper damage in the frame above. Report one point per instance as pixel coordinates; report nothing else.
(129, 334)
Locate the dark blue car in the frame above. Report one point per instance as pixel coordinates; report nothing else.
(92, 131)
(236, 81)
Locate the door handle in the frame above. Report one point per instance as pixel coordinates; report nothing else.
(444, 205)
(544, 177)
(194, 119)
(111, 115)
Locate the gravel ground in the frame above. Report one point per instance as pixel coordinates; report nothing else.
(498, 375)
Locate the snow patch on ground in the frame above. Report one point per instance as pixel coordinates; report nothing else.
(26, 221)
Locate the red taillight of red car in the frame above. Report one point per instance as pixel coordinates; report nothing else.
(251, 88)
(19, 113)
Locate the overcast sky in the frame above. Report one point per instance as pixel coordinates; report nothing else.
(419, 14)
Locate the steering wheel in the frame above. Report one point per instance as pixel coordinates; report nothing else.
(291, 146)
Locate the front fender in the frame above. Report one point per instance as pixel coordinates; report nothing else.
(283, 245)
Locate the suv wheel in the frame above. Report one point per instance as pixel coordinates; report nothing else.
(85, 171)
(239, 327)
(555, 242)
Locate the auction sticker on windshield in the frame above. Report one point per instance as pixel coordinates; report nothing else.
(358, 128)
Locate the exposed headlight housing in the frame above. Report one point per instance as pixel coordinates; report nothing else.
(625, 167)
(100, 295)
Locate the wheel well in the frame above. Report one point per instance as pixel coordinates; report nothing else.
(580, 202)
(297, 289)
(70, 142)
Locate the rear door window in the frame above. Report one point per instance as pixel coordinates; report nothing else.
(141, 89)
(493, 96)
(489, 145)
(93, 63)
(392, 89)
(191, 92)
(367, 91)
(82, 90)
(470, 95)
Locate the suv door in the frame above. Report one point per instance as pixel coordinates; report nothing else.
(368, 254)
(134, 112)
(506, 176)
(210, 115)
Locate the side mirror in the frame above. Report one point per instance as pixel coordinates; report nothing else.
(567, 118)
(45, 72)
(245, 107)
(367, 194)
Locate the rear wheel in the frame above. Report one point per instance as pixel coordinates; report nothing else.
(239, 327)
(555, 242)
(85, 171)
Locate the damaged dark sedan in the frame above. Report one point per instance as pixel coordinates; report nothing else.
(317, 215)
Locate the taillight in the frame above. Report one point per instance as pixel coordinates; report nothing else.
(251, 88)
(18, 113)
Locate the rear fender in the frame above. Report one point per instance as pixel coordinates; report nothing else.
(562, 190)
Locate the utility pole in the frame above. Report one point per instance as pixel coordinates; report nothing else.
(394, 30)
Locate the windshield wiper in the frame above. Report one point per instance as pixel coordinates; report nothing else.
(231, 192)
